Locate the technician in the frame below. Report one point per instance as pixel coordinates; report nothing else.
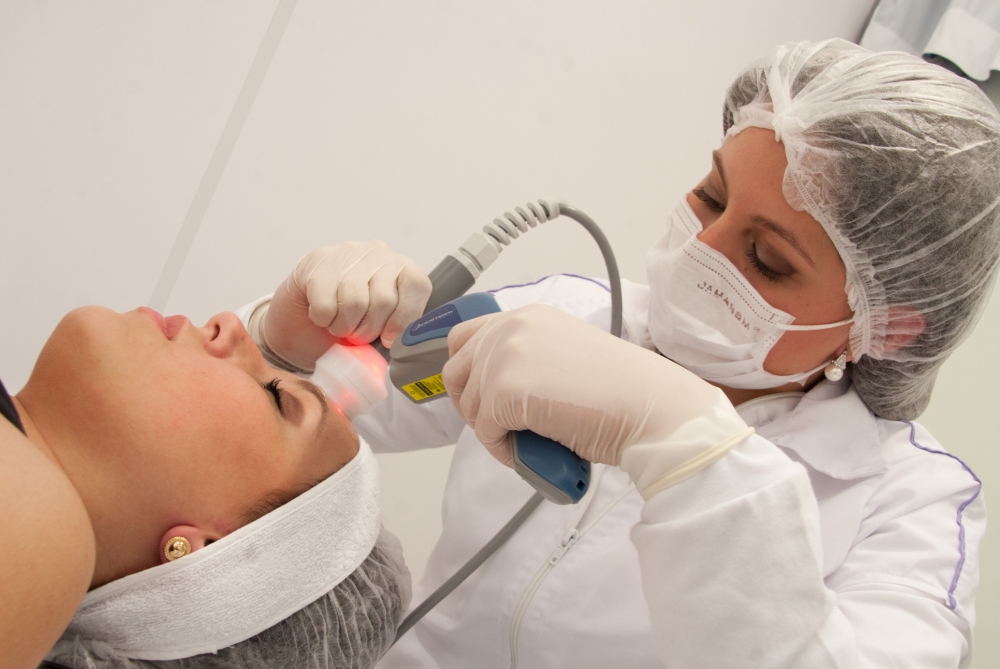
(764, 498)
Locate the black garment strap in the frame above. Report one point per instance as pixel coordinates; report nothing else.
(52, 665)
(8, 409)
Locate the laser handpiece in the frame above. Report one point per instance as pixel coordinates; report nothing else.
(353, 376)
(451, 278)
(417, 358)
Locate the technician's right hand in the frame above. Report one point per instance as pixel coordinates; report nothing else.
(354, 292)
(540, 369)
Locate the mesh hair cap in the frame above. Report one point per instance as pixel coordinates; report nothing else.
(899, 161)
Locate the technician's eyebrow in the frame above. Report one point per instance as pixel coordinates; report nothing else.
(763, 222)
(717, 159)
(784, 234)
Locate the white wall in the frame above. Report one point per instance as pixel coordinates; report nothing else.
(412, 122)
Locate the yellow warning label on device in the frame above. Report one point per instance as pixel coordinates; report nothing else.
(424, 388)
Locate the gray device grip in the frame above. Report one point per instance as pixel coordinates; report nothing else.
(450, 279)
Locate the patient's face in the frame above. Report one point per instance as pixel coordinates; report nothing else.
(178, 421)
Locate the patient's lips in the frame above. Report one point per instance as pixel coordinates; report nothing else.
(169, 326)
(174, 325)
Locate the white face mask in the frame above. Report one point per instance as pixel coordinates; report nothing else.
(705, 316)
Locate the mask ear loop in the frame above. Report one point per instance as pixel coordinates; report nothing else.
(823, 326)
(834, 371)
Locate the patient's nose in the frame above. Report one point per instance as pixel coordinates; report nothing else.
(224, 337)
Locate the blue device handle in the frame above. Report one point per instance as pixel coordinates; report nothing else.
(559, 474)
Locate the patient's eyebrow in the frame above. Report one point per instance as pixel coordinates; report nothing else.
(314, 390)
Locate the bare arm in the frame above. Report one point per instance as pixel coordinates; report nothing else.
(47, 554)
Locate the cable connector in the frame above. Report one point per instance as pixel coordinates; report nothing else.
(477, 253)
(482, 249)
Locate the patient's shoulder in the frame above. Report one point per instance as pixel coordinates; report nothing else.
(48, 550)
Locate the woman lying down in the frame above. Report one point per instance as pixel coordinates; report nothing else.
(170, 500)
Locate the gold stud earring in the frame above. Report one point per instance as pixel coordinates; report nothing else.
(176, 547)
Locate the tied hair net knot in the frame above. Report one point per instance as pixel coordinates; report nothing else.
(899, 161)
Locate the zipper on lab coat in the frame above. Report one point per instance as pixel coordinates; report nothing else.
(575, 533)
(569, 539)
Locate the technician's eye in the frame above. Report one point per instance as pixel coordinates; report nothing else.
(276, 391)
(758, 264)
(709, 201)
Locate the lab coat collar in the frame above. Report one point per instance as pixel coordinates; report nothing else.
(830, 428)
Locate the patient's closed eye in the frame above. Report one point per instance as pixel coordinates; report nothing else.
(274, 388)
(289, 406)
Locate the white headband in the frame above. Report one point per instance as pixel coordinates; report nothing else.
(247, 581)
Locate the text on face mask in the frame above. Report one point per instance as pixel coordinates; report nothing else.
(734, 310)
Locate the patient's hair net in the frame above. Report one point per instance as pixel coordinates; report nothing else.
(349, 627)
(899, 161)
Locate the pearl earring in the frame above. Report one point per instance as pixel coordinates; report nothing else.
(835, 370)
(176, 547)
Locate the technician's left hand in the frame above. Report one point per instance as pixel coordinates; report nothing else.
(540, 369)
(354, 292)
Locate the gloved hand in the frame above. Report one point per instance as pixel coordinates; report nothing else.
(349, 293)
(540, 369)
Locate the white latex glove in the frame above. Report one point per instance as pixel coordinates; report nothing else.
(540, 369)
(349, 293)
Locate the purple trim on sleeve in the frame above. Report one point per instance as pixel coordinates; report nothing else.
(958, 517)
(533, 283)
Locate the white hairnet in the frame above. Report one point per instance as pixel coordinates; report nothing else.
(899, 161)
(348, 628)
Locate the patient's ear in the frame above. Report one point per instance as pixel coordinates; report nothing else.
(905, 324)
(182, 540)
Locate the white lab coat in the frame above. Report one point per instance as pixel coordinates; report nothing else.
(832, 538)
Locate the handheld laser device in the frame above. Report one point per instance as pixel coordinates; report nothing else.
(418, 356)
